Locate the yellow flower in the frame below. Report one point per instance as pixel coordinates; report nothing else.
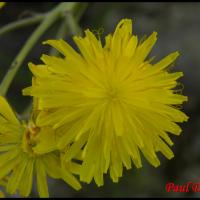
(109, 100)
(20, 160)
(2, 4)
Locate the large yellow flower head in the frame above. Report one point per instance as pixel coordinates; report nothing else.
(20, 160)
(109, 101)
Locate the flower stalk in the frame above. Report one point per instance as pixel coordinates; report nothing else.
(49, 19)
(22, 23)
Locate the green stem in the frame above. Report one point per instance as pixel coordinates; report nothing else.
(21, 23)
(73, 24)
(80, 9)
(27, 111)
(50, 18)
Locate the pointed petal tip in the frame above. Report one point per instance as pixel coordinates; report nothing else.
(43, 57)
(26, 91)
(47, 42)
(78, 187)
(50, 41)
(175, 55)
(125, 21)
(171, 156)
(154, 35)
(31, 66)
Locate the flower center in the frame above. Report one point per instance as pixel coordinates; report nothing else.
(113, 94)
(29, 138)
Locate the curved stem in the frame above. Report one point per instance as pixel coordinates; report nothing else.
(80, 10)
(50, 18)
(21, 23)
(63, 29)
(73, 24)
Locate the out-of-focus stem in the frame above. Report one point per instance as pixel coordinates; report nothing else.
(50, 18)
(21, 23)
(73, 24)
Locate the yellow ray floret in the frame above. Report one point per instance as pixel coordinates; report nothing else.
(109, 102)
(20, 159)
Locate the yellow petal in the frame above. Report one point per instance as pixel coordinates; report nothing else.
(26, 182)
(41, 179)
(64, 48)
(52, 165)
(5, 169)
(14, 180)
(7, 112)
(144, 49)
(71, 180)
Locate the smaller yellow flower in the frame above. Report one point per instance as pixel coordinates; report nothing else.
(20, 159)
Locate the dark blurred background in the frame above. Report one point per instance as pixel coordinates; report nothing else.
(178, 27)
